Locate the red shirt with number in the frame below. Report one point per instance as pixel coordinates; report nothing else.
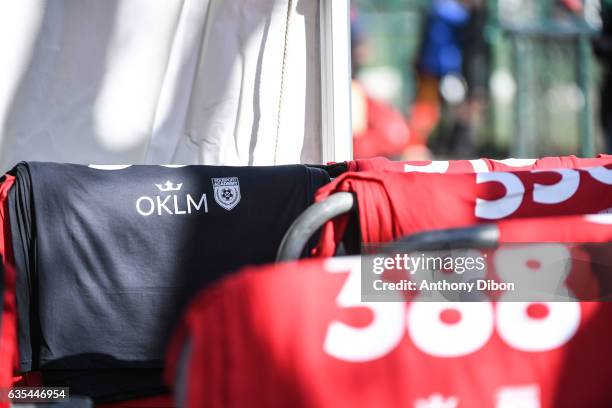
(297, 335)
(393, 205)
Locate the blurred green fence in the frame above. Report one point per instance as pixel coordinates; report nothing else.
(393, 29)
(543, 78)
(552, 65)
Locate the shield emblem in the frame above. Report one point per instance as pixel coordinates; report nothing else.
(226, 191)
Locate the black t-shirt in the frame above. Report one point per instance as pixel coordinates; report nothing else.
(108, 256)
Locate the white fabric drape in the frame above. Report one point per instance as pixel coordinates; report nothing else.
(159, 81)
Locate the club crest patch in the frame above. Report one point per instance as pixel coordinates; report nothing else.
(226, 191)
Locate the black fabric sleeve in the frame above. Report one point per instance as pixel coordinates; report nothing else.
(24, 249)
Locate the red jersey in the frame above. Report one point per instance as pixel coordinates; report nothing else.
(476, 165)
(298, 335)
(392, 205)
(8, 318)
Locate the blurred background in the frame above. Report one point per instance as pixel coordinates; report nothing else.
(471, 78)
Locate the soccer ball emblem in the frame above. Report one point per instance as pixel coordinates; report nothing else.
(227, 194)
(227, 191)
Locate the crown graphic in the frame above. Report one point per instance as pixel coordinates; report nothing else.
(437, 401)
(168, 186)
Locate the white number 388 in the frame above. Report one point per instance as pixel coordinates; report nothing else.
(431, 335)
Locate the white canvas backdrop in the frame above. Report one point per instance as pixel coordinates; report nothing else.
(159, 81)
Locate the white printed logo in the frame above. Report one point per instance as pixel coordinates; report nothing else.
(168, 201)
(437, 401)
(227, 191)
(526, 396)
(168, 186)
